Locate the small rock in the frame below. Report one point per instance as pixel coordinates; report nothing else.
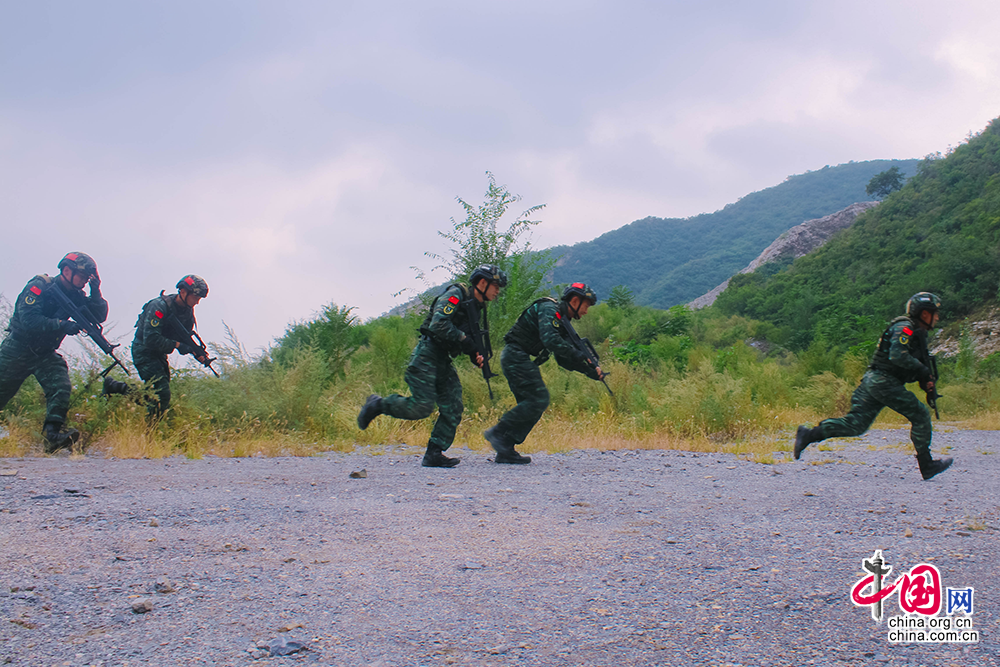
(962, 533)
(164, 585)
(283, 646)
(357, 474)
(472, 565)
(154, 523)
(288, 627)
(908, 533)
(142, 605)
(8, 472)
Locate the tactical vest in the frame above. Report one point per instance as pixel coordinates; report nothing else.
(524, 333)
(19, 332)
(167, 305)
(880, 360)
(461, 322)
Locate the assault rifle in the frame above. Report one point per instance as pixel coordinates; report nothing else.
(88, 324)
(589, 353)
(481, 339)
(932, 395)
(188, 337)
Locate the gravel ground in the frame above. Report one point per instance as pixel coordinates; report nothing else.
(586, 558)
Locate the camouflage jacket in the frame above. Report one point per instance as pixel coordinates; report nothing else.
(542, 327)
(152, 330)
(902, 352)
(37, 320)
(447, 323)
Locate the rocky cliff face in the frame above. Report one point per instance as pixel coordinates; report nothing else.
(796, 242)
(983, 330)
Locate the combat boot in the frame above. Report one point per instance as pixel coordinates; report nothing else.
(56, 438)
(369, 411)
(930, 466)
(804, 437)
(504, 447)
(435, 458)
(113, 386)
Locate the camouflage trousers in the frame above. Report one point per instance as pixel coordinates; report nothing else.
(155, 369)
(525, 380)
(18, 361)
(875, 392)
(432, 379)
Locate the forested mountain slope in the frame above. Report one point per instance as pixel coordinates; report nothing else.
(940, 233)
(669, 261)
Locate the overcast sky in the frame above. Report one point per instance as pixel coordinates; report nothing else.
(297, 153)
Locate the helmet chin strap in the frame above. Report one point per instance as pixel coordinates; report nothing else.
(481, 292)
(576, 311)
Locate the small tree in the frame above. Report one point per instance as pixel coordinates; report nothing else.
(621, 297)
(333, 332)
(885, 183)
(480, 239)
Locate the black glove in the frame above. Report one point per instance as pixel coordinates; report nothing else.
(71, 328)
(468, 346)
(184, 348)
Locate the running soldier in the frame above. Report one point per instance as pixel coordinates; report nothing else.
(37, 329)
(901, 357)
(431, 376)
(156, 336)
(539, 332)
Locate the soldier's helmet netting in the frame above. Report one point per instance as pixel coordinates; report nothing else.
(922, 301)
(491, 272)
(581, 290)
(79, 262)
(194, 285)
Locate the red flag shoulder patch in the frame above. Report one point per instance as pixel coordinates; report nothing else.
(908, 331)
(159, 315)
(35, 290)
(558, 316)
(453, 300)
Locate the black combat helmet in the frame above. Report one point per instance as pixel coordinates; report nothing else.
(922, 301)
(194, 285)
(491, 272)
(80, 262)
(581, 290)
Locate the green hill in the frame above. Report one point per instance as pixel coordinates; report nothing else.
(669, 261)
(940, 233)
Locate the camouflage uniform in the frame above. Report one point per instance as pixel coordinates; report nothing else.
(430, 374)
(36, 332)
(151, 346)
(901, 357)
(538, 331)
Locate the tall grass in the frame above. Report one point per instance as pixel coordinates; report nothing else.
(717, 393)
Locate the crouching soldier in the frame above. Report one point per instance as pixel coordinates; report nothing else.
(431, 376)
(541, 330)
(901, 357)
(156, 335)
(37, 329)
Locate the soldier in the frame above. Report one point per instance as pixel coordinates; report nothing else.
(901, 357)
(431, 376)
(541, 331)
(154, 340)
(37, 329)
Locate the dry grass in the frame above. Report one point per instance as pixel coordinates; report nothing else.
(20, 439)
(984, 421)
